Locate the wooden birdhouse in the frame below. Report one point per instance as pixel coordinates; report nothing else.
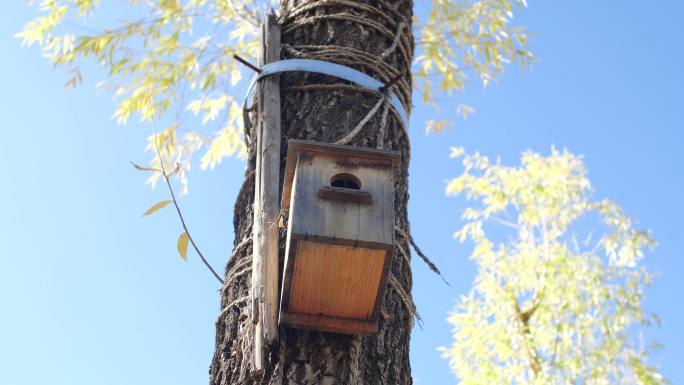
(339, 201)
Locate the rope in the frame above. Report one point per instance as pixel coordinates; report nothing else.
(356, 58)
(422, 255)
(239, 273)
(405, 298)
(339, 61)
(363, 121)
(404, 254)
(234, 272)
(390, 15)
(230, 305)
(383, 124)
(344, 16)
(245, 346)
(345, 3)
(374, 64)
(397, 36)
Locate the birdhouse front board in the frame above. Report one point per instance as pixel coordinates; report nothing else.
(339, 201)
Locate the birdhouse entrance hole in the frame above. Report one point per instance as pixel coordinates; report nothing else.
(345, 180)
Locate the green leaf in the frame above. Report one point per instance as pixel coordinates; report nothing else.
(156, 207)
(183, 245)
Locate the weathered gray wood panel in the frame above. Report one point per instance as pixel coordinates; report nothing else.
(311, 214)
(266, 210)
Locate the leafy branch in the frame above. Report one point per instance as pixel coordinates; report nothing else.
(185, 237)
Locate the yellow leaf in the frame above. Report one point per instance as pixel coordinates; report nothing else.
(183, 245)
(456, 152)
(156, 207)
(235, 75)
(464, 110)
(234, 113)
(436, 126)
(141, 168)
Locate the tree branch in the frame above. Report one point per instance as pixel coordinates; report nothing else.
(178, 210)
(524, 318)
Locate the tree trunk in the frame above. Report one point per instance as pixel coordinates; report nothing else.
(361, 35)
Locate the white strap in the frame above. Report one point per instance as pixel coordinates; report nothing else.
(332, 69)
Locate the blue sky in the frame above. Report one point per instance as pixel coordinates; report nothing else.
(91, 292)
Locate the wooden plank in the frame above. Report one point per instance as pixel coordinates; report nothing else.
(342, 241)
(345, 194)
(266, 208)
(382, 288)
(296, 145)
(290, 254)
(270, 179)
(329, 324)
(338, 281)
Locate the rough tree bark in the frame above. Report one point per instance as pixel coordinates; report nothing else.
(321, 108)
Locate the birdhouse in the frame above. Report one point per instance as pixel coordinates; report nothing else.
(339, 201)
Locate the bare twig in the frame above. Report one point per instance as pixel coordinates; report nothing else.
(175, 203)
(247, 64)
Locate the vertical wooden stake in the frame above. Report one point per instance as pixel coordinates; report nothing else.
(267, 186)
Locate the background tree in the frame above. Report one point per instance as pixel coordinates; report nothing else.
(557, 298)
(177, 58)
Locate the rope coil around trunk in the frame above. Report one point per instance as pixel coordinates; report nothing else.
(367, 71)
(381, 18)
(352, 57)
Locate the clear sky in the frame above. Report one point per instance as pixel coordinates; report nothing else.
(91, 293)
